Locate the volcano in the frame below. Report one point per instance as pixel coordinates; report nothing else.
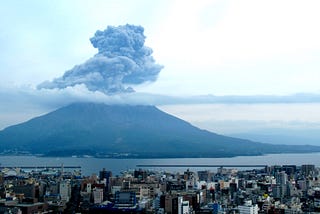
(125, 131)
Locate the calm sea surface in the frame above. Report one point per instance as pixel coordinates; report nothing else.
(94, 165)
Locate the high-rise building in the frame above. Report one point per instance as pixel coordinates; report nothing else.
(281, 178)
(248, 208)
(183, 206)
(30, 191)
(171, 204)
(125, 199)
(289, 169)
(233, 189)
(65, 190)
(105, 176)
(307, 169)
(97, 195)
(316, 200)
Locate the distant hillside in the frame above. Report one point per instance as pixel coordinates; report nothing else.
(139, 131)
(283, 136)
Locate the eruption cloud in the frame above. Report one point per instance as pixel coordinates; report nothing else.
(122, 60)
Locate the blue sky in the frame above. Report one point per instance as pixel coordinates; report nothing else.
(206, 47)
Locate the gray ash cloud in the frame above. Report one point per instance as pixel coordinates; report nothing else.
(122, 60)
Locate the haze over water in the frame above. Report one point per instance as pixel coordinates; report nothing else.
(94, 165)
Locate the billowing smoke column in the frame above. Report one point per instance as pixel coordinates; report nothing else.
(122, 59)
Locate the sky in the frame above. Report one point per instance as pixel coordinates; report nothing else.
(207, 48)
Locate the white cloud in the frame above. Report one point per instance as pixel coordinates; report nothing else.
(236, 118)
(220, 114)
(233, 111)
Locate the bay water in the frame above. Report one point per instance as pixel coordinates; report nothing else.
(90, 165)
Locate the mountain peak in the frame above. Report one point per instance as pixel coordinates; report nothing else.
(137, 130)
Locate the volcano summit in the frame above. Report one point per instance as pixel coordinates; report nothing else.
(136, 131)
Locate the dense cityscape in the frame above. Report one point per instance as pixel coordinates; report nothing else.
(272, 189)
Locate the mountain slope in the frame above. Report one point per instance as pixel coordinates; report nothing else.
(90, 128)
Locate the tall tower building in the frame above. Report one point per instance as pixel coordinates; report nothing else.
(281, 178)
(105, 176)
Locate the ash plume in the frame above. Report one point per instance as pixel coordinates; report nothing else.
(122, 60)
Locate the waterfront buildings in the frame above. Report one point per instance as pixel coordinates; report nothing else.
(273, 189)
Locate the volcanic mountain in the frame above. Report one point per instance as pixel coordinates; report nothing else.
(125, 130)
